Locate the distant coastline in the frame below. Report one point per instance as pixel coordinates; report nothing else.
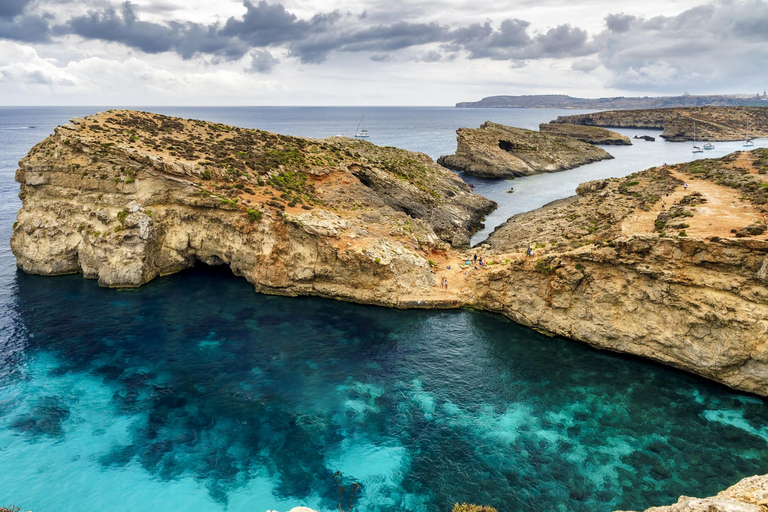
(620, 103)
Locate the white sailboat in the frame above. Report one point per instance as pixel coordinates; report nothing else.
(748, 143)
(696, 149)
(361, 133)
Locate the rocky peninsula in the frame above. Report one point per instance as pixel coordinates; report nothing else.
(712, 123)
(498, 151)
(669, 263)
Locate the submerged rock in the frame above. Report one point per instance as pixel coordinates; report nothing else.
(498, 151)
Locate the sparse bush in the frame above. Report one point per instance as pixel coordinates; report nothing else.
(472, 508)
(254, 215)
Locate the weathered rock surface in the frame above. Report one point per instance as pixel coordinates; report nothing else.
(498, 151)
(588, 134)
(712, 123)
(749, 495)
(124, 197)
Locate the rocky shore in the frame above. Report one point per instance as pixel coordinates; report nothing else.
(712, 123)
(498, 151)
(749, 495)
(668, 264)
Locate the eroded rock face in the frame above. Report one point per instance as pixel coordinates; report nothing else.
(498, 151)
(749, 495)
(588, 134)
(124, 197)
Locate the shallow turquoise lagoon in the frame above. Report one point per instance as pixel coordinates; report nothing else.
(195, 393)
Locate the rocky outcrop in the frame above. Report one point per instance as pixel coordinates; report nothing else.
(749, 495)
(712, 123)
(498, 151)
(588, 134)
(124, 197)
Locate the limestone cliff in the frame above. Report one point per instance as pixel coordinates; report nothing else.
(498, 151)
(124, 197)
(584, 133)
(712, 123)
(649, 265)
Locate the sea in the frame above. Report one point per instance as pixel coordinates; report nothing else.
(195, 393)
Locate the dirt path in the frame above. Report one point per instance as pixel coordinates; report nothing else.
(723, 211)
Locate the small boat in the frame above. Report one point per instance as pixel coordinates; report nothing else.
(696, 149)
(361, 133)
(709, 145)
(748, 143)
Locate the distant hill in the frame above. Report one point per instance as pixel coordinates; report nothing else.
(620, 103)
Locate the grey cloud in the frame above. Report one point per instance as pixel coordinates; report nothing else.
(35, 77)
(26, 28)
(720, 47)
(619, 23)
(262, 62)
(378, 57)
(585, 65)
(265, 24)
(512, 42)
(9, 9)
(123, 26)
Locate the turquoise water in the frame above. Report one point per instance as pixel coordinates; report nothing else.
(194, 393)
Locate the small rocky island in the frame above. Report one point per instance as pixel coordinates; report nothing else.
(670, 263)
(712, 123)
(498, 151)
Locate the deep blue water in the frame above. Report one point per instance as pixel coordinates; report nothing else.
(194, 393)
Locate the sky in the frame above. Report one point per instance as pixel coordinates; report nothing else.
(374, 52)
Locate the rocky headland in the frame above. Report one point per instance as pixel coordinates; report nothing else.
(124, 197)
(669, 263)
(712, 123)
(584, 133)
(498, 151)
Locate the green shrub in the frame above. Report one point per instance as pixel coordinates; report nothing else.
(579, 266)
(121, 215)
(254, 215)
(206, 174)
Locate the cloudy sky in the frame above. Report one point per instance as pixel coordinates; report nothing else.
(373, 52)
